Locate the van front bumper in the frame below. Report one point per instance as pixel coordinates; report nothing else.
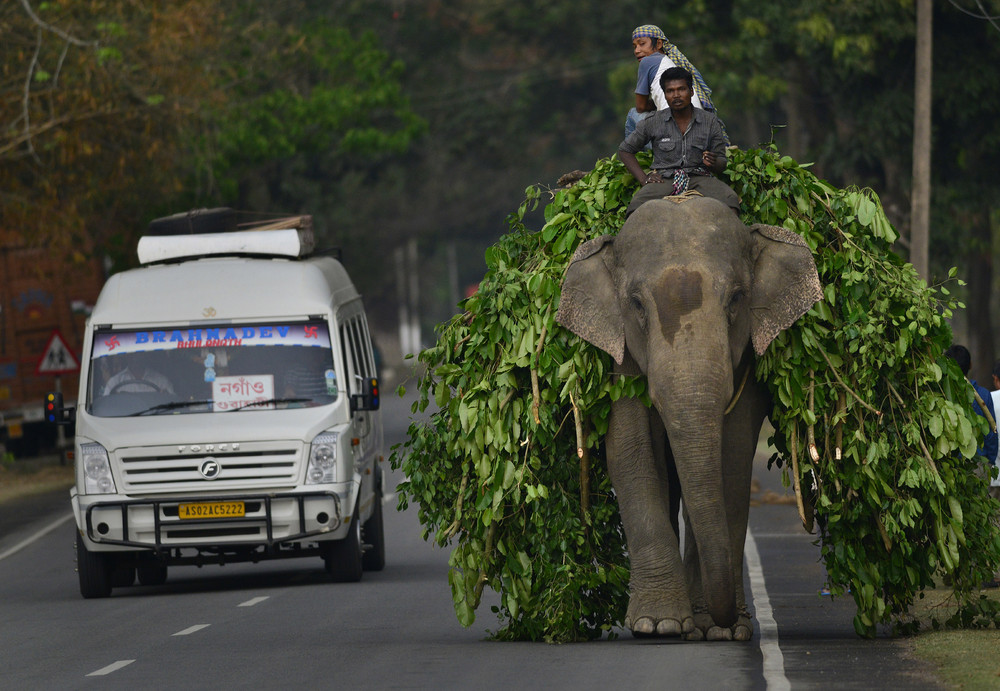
(267, 520)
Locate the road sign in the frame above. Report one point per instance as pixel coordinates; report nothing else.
(58, 358)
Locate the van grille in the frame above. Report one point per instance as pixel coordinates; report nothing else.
(159, 470)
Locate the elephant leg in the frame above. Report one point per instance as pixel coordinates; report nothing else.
(658, 598)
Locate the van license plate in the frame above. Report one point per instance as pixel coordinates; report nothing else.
(215, 509)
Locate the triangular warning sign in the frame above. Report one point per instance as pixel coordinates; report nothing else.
(58, 358)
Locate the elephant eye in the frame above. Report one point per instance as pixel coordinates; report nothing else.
(636, 305)
(734, 301)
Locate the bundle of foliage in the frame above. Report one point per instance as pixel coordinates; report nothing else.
(873, 425)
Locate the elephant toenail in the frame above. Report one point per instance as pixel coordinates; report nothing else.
(668, 627)
(643, 625)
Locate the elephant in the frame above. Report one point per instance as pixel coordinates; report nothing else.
(689, 296)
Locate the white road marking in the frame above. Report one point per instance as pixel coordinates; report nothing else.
(254, 601)
(192, 629)
(774, 660)
(34, 538)
(113, 667)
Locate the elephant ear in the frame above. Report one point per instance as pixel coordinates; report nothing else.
(588, 306)
(785, 283)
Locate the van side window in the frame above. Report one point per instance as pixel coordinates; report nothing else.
(366, 347)
(349, 360)
(357, 328)
(355, 354)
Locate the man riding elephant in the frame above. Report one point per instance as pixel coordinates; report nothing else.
(688, 147)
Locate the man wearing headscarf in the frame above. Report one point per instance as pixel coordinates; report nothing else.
(655, 54)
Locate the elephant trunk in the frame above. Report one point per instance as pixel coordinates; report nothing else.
(693, 419)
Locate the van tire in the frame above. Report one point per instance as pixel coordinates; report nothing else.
(122, 576)
(153, 574)
(95, 571)
(373, 532)
(343, 557)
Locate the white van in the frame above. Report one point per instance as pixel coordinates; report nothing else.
(228, 410)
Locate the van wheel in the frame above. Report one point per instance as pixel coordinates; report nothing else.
(95, 571)
(122, 577)
(154, 574)
(343, 557)
(373, 532)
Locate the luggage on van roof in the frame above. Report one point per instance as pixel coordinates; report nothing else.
(217, 232)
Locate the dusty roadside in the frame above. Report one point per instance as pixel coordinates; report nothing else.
(31, 492)
(25, 478)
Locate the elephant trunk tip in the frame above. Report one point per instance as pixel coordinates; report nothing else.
(724, 617)
(722, 599)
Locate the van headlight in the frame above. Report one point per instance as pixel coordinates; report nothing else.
(322, 467)
(96, 470)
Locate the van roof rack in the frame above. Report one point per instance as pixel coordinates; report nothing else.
(216, 232)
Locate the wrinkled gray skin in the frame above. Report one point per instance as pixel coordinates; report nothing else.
(685, 294)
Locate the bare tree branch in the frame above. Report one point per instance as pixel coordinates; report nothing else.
(55, 122)
(57, 31)
(25, 101)
(983, 14)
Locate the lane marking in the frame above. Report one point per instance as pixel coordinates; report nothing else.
(254, 601)
(34, 538)
(113, 667)
(774, 660)
(191, 629)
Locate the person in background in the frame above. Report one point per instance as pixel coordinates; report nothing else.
(655, 55)
(138, 377)
(960, 354)
(995, 482)
(995, 396)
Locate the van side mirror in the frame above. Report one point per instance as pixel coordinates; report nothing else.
(55, 412)
(368, 398)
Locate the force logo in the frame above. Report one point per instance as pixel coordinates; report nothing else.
(210, 469)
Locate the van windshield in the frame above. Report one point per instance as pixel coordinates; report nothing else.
(211, 369)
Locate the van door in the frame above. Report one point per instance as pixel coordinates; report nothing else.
(366, 425)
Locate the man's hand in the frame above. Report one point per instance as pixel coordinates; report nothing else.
(713, 161)
(653, 177)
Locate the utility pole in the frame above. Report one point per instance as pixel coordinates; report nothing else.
(920, 199)
(413, 269)
(402, 303)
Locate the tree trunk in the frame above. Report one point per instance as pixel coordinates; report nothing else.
(921, 198)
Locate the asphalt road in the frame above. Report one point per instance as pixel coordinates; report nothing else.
(280, 624)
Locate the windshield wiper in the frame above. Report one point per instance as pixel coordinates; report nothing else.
(174, 405)
(270, 401)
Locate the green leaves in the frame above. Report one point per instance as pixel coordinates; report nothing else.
(895, 490)
(497, 472)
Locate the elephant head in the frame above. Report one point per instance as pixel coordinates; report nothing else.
(680, 295)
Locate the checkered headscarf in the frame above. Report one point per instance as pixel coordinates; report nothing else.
(649, 31)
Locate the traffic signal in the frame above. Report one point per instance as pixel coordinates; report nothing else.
(53, 407)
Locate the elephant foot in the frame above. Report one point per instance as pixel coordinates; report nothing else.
(706, 630)
(646, 618)
(743, 630)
